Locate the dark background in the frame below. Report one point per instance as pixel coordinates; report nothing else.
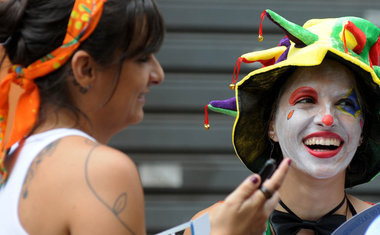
(185, 168)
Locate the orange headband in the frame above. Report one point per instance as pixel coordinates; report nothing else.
(83, 20)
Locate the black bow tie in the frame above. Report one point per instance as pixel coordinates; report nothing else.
(289, 223)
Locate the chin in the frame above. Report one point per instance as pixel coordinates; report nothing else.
(323, 173)
(133, 119)
(134, 122)
(333, 169)
(319, 171)
(137, 119)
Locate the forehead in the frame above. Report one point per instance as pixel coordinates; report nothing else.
(330, 75)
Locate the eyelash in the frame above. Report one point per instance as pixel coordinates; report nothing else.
(346, 102)
(305, 100)
(144, 58)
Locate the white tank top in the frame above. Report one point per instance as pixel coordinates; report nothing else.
(10, 192)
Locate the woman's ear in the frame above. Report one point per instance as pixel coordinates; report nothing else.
(272, 131)
(82, 66)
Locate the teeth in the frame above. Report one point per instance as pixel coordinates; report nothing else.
(322, 141)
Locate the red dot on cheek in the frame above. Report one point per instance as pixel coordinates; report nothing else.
(328, 120)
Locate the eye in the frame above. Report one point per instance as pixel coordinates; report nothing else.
(144, 58)
(305, 100)
(346, 103)
(304, 95)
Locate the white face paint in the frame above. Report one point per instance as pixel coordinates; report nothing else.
(318, 122)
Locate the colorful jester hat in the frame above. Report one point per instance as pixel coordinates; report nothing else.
(352, 41)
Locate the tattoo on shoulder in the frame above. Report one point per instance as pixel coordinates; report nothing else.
(115, 207)
(46, 152)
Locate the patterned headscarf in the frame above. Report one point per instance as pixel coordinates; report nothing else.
(84, 18)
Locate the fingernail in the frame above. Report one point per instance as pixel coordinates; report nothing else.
(254, 179)
(289, 161)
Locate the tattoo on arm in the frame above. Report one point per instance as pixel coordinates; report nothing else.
(118, 205)
(46, 152)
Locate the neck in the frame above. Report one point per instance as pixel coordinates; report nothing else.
(311, 198)
(98, 128)
(66, 119)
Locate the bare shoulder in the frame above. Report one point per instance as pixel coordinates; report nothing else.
(359, 204)
(93, 188)
(85, 154)
(113, 189)
(83, 158)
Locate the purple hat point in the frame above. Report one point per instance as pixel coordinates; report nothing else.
(225, 104)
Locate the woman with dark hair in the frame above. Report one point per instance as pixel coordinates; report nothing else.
(84, 67)
(315, 101)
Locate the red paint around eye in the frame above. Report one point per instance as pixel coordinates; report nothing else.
(303, 92)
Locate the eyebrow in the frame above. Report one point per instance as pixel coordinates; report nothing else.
(301, 92)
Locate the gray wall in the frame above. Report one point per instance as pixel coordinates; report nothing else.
(185, 168)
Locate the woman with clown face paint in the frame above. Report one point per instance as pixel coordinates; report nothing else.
(314, 125)
(315, 101)
(318, 121)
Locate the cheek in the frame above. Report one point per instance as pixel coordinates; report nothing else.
(353, 126)
(291, 123)
(290, 115)
(286, 122)
(293, 117)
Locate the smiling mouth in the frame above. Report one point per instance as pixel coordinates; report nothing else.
(322, 144)
(323, 147)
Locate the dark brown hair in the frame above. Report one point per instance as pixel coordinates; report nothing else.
(34, 28)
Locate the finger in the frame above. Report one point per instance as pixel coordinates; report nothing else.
(273, 183)
(244, 190)
(271, 203)
(260, 212)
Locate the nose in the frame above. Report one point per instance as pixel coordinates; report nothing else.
(328, 120)
(325, 117)
(157, 73)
